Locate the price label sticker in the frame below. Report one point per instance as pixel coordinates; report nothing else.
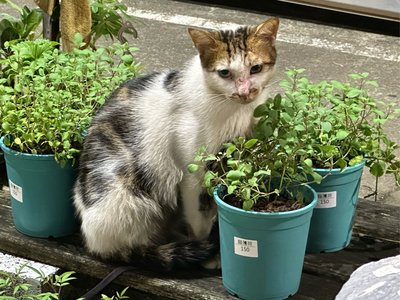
(15, 191)
(326, 200)
(248, 248)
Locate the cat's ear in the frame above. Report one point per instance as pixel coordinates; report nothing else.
(203, 39)
(268, 29)
(206, 43)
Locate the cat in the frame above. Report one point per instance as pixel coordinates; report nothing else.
(134, 196)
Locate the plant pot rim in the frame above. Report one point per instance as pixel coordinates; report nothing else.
(256, 214)
(348, 169)
(10, 151)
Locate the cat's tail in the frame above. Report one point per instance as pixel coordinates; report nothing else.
(179, 255)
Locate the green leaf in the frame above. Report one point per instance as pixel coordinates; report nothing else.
(286, 117)
(246, 193)
(277, 101)
(210, 157)
(277, 164)
(247, 168)
(341, 134)
(262, 173)
(378, 168)
(260, 111)
(356, 160)
(67, 144)
(341, 163)
(355, 76)
(248, 205)
(316, 177)
(353, 93)
(299, 127)
(233, 163)
(326, 126)
(235, 174)
(231, 189)
(192, 168)
(308, 162)
(231, 148)
(337, 85)
(252, 181)
(250, 143)
(379, 121)
(6, 126)
(208, 177)
(264, 130)
(127, 59)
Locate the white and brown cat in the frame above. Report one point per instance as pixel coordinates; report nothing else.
(136, 201)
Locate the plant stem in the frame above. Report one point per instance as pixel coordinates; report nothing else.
(282, 177)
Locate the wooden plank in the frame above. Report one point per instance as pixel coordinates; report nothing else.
(339, 265)
(308, 289)
(376, 237)
(378, 220)
(315, 287)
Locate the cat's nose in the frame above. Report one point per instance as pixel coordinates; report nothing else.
(243, 87)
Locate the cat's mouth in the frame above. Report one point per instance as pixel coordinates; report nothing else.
(245, 98)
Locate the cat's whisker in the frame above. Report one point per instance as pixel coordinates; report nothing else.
(272, 83)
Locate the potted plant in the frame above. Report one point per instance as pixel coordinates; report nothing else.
(263, 213)
(47, 99)
(339, 127)
(12, 28)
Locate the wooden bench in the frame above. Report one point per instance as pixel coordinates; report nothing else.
(376, 235)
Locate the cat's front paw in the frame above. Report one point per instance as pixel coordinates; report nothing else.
(213, 263)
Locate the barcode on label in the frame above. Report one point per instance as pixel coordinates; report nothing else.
(244, 247)
(326, 200)
(325, 195)
(245, 243)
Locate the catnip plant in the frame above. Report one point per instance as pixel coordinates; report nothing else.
(337, 124)
(251, 170)
(48, 97)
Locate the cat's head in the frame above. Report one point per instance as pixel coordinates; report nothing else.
(238, 63)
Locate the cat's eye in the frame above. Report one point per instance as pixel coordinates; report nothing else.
(256, 69)
(224, 73)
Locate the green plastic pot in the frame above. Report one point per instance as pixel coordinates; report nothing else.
(333, 218)
(41, 194)
(262, 254)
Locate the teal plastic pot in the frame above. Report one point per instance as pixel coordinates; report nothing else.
(41, 194)
(333, 218)
(262, 254)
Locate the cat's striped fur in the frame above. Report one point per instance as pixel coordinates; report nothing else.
(134, 196)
